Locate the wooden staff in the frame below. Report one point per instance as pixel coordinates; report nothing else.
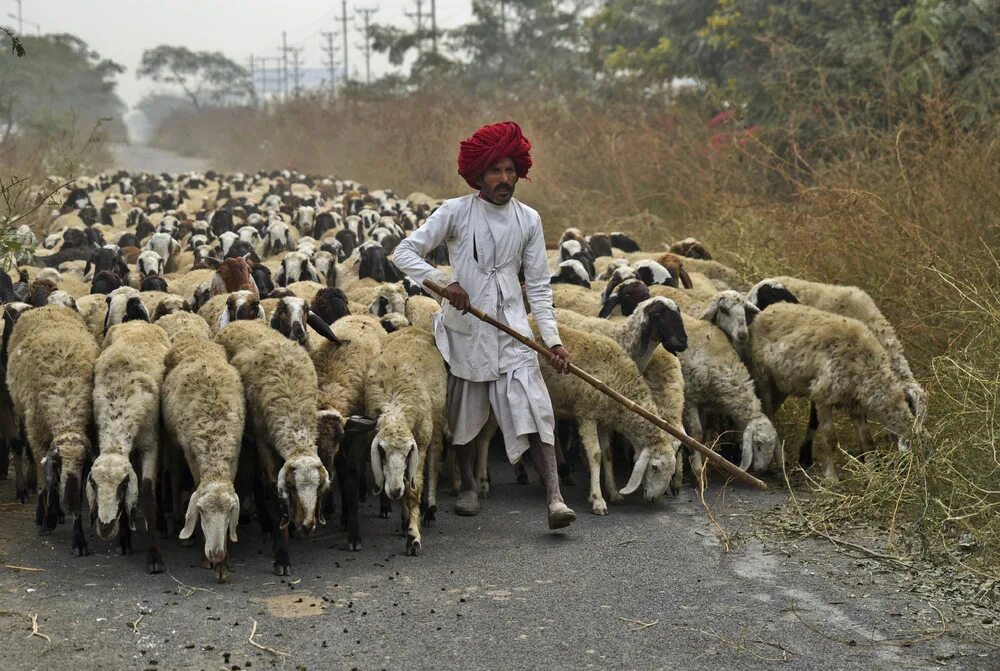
(717, 459)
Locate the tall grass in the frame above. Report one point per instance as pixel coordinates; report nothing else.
(912, 216)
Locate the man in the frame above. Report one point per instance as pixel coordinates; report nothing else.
(491, 236)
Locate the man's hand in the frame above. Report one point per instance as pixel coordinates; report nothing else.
(560, 359)
(457, 297)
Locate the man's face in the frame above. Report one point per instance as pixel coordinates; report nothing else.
(497, 183)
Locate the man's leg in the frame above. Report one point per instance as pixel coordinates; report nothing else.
(468, 498)
(544, 458)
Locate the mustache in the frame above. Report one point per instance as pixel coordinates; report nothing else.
(503, 187)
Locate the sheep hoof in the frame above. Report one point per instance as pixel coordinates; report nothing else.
(412, 546)
(154, 562)
(22, 495)
(384, 511)
(282, 563)
(599, 508)
(80, 548)
(484, 489)
(428, 517)
(206, 563)
(222, 572)
(616, 499)
(354, 543)
(186, 542)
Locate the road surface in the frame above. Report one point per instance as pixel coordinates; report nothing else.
(140, 158)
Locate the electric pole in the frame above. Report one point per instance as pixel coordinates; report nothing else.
(344, 18)
(418, 19)
(20, 19)
(331, 59)
(284, 65)
(295, 70)
(367, 46)
(434, 27)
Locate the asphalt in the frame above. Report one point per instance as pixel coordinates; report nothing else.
(647, 587)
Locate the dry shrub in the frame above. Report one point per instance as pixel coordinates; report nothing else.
(910, 216)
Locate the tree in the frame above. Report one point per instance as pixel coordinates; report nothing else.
(62, 83)
(205, 77)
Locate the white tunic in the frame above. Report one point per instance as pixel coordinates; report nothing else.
(488, 245)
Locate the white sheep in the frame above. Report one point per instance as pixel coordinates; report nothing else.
(127, 380)
(50, 375)
(204, 412)
(405, 391)
(834, 361)
(280, 386)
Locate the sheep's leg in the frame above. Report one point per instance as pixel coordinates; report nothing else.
(614, 496)
(564, 445)
(521, 472)
(384, 505)
(277, 511)
(19, 447)
(451, 464)
(4, 458)
(147, 500)
(825, 443)
(483, 441)
(692, 423)
(411, 508)
(678, 477)
(592, 448)
(864, 432)
(806, 450)
(349, 464)
(434, 452)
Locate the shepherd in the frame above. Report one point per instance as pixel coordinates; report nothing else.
(491, 238)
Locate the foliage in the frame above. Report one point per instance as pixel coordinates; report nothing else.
(61, 84)
(205, 77)
(16, 47)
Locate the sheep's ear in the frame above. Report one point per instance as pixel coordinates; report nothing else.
(609, 306)
(234, 520)
(322, 328)
(685, 278)
(224, 318)
(91, 492)
(637, 472)
(358, 424)
(191, 518)
(412, 466)
(751, 311)
(283, 476)
(378, 479)
(746, 450)
(132, 498)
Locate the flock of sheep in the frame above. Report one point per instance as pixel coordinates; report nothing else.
(205, 345)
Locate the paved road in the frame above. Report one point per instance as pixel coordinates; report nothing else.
(648, 587)
(141, 158)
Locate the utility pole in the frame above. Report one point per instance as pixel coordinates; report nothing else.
(253, 79)
(434, 27)
(20, 19)
(418, 19)
(366, 14)
(295, 70)
(344, 18)
(284, 65)
(331, 59)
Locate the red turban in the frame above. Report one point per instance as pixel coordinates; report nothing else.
(491, 144)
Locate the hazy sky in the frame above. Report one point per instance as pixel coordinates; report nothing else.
(121, 30)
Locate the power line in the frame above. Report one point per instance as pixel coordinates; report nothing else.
(366, 14)
(296, 90)
(284, 65)
(418, 20)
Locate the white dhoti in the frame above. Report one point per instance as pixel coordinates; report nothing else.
(520, 402)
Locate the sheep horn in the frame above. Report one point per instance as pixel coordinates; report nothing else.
(609, 306)
(637, 473)
(322, 328)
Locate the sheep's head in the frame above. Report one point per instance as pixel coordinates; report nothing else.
(124, 307)
(39, 291)
(218, 507)
(660, 320)
(153, 283)
(390, 298)
(627, 296)
(760, 441)
(768, 292)
(372, 262)
(571, 272)
(112, 490)
(612, 267)
(169, 305)
(600, 244)
(675, 264)
(62, 298)
(394, 321)
(654, 470)
(302, 483)
(620, 274)
(241, 305)
(395, 457)
(292, 317)
(150, 263)
(652, 273)
(691, 248)
(730, 311)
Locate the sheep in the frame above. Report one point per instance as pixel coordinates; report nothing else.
(279, 382)
(576, 298)
(127, 380)
(224, 309)
(168, 249)
(233, 275)
(596, 418)
(834, 361)
(295, 267)
(571, 272)
(50, 375)
(405, 391)
(204, 413)
(420, 311)
(691, 248)
(150, 263)
(186, 324)
(851, 302)
(292, 317)
(385, 298)
(394, 321)
(654, 322)
(342, 372)
(578, 250)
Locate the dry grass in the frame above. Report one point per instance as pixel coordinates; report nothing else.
(913, 217)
